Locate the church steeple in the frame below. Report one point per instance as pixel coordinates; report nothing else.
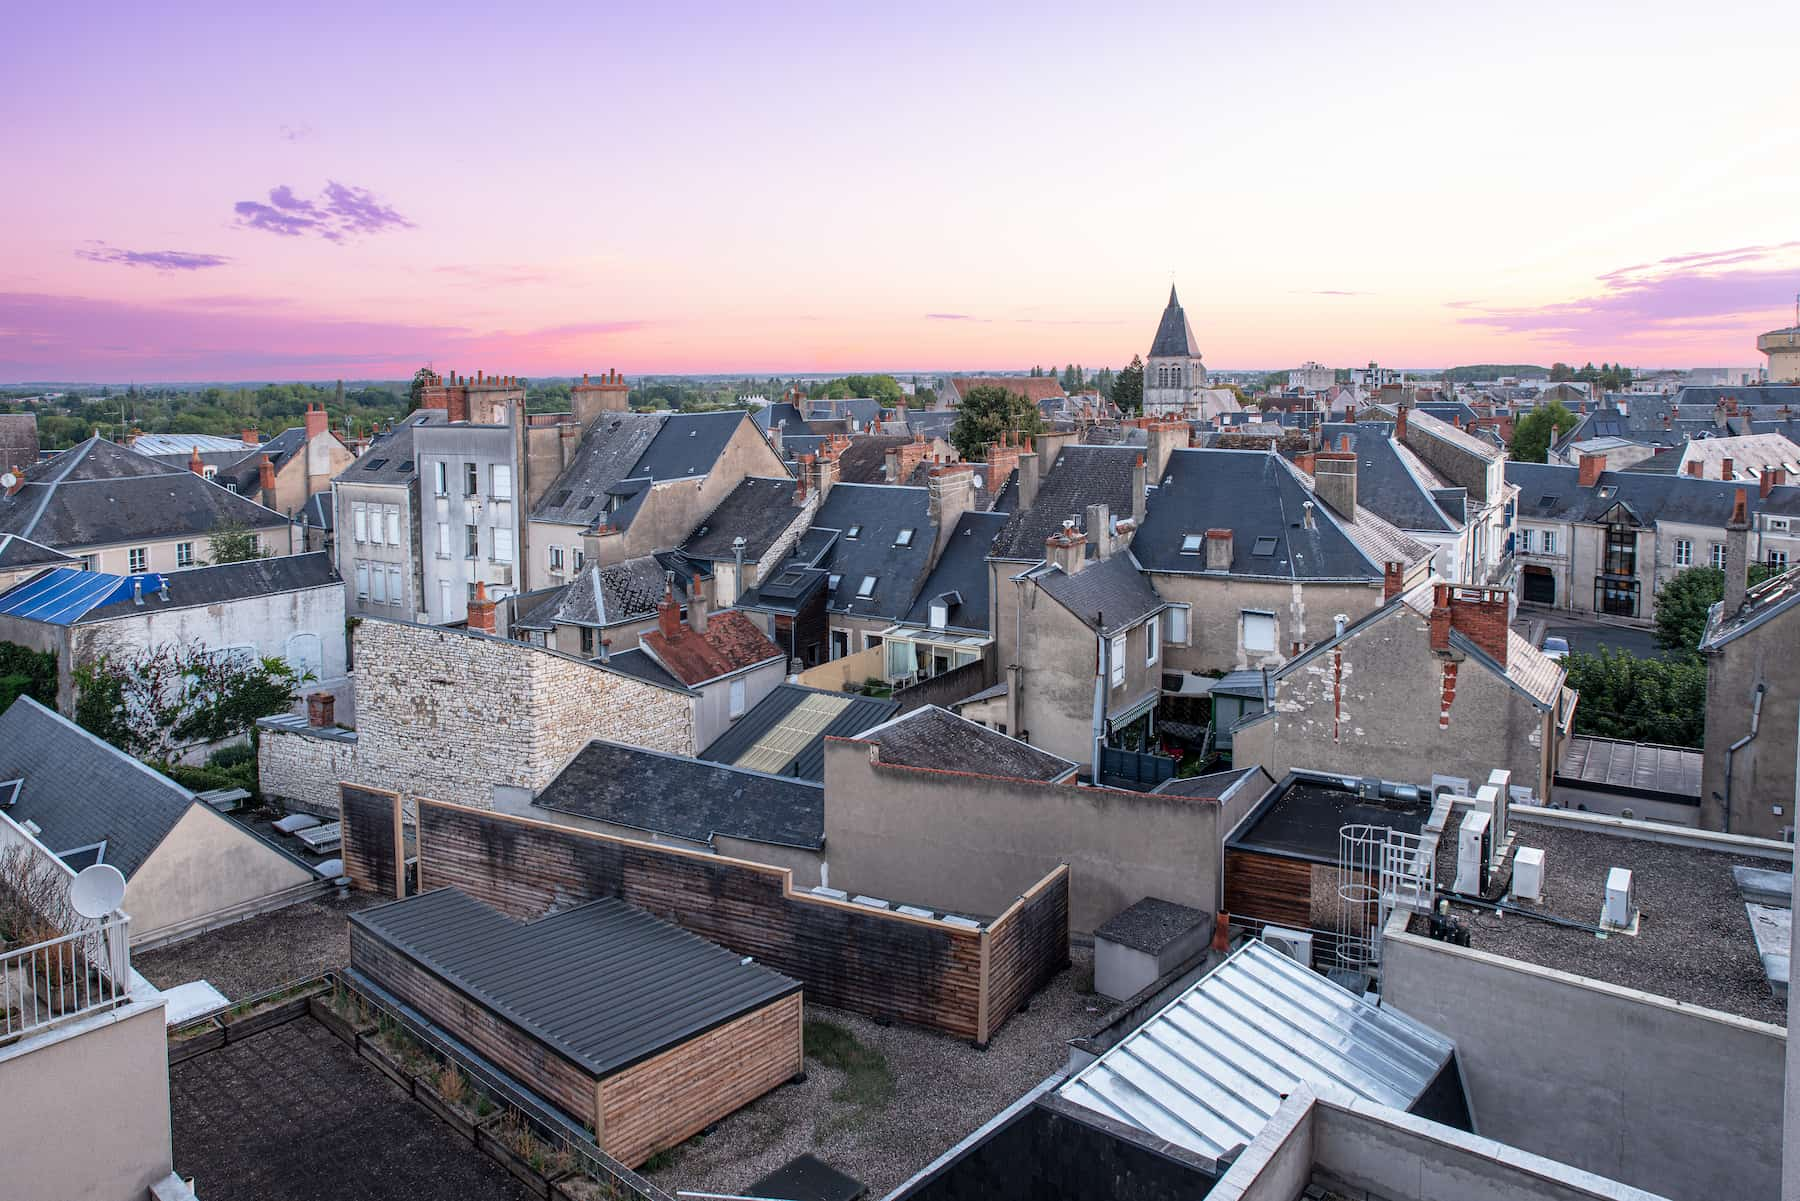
(1174, 336)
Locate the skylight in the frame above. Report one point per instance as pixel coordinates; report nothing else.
(833, 580)
(1264, 546)
(1546, 501)
(903, 538)
(854, 531)
(376, 464)
(1190, 543)
(866, 589)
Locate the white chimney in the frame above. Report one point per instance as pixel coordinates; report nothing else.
(1619, 910)
(1471, 858)
(1528, 874)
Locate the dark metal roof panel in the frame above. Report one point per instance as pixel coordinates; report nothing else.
(862, 713)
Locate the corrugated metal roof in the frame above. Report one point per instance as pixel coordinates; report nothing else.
(768, 724)
(63, 595)
(1635, 766)
(1209, 1071)
(604, 984)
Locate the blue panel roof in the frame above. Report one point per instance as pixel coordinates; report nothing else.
(63, 595)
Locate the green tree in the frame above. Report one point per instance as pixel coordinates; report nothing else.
(986, 413)
(1540, 427)
(1639, 700)
(1561, 373)
(420, 378)
(1682, 604)
(234, 542)
(154, 703)
(1128, 387)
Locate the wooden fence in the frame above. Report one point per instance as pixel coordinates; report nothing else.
(372, 841)
(886, 965)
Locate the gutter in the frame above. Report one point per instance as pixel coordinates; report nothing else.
(1732, 750)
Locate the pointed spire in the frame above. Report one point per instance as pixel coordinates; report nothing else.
(1173, 302)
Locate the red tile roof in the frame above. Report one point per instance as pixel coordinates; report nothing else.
(731, 642)
(1032, 387)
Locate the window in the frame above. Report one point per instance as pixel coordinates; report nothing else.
(580, 557)
(1265, 547)
(440, 475)
(1525, 540)
(89, 563)
(1116, 660)
(1152, 640)
(503, 545)
(1621, 551)
(362, 580)
(473, 536)
(256, 546)
(1178, 625)
(1684, 552)
(359, 515)
(737, 698)
(1777, 561)
(140, 559)
(393, 525)
(832, 581)
(208, 472)
(1191, 543)
(443, 549)
(1718, 555)
(1549, 542)
(854, 531)
(903, 538)
(471, 479)
(1259, 632)
(394, 594)
(184, 554)
(587, 641)
(443, 613)
(1777, 525)
(556, 558)
(502, 481)
(377, 585)
(866, 589)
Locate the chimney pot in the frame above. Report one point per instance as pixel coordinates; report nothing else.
(668, 613)
(321, 710)
(1393, 580)
(1696, 469)
(481, 611)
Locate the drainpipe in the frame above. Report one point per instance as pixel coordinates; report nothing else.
(1732, 750)
(1100, 678)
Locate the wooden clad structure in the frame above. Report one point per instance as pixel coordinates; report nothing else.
(641, 1031)
(372, 839)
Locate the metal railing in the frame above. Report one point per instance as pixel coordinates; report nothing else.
(64, 978)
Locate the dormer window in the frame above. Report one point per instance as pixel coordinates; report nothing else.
(903, 538)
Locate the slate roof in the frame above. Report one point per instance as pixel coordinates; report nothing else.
(638, 664)
(101, 494)
(693, 799)
(246, 470)
(759, 510)
(624, 453)
(1260, 498)
(937, 738)
(1213, 786)
(1764, 603)
(731, 643)
(318, 512)
(389, 459)
(1151, 924)
(962, 574)
(863, 410)
(1553, 492)
(854, 715)
(604, 984)
(771, 415)
(877, 512)
(80, 790)
(864, 461)
(1533, 672)
(1174, 336)
(933, 424)
(1390, 480)
(1112, 588)
(225, 583)
(17, 552)
(629, 591)
(1080, 476)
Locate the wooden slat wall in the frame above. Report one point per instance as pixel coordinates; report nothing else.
(1268, 888)
(674, 1096)
(517, 1052)
(1026, 946)
(368, 848)
(885, 965)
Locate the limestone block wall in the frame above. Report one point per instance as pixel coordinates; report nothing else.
(302, 769)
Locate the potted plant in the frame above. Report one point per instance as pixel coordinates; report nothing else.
(392, 1050)
(341, 1012)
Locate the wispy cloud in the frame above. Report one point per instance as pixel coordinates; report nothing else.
(1683, 294)
(159, 260)
(339, 214)
(952, 317)
(297, 133)
(1324, 292)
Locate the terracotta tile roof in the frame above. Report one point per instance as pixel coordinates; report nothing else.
(731, 642)
(1032, 387)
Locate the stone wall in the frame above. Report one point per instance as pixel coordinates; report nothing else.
(302, 770)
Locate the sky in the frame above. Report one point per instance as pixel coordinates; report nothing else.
(236, 192)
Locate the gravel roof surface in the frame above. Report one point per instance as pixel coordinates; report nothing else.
(263, 953)
(291, 1114)
(1694, 941)
(944, 1090)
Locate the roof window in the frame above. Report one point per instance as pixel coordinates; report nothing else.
(1264, 546)
(1191, 543)
(854, 531)
(866, 589)
(903, 538)
(376, 464)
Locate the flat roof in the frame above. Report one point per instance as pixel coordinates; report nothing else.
(1694, 941)
(1302, 818)
(604, 984)
(1632, 768)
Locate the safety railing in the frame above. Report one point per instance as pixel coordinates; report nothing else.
(65, 978)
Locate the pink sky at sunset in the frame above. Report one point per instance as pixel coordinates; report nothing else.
(276, 192)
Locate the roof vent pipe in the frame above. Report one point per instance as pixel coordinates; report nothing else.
(1306, 515)
(137, 589)
(1340, 621)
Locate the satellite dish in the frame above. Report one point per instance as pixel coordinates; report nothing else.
(97, 890)
(8, 480)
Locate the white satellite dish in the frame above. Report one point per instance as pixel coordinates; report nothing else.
(8, 480)
(97, 890)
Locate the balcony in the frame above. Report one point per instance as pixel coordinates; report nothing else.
(63, 979)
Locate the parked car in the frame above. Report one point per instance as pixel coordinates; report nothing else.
(1556, 648)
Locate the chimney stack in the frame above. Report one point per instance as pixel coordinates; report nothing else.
(1400, 423)
(1393, 580)
(1771, 478)
(1737, 553)
(321, 710)
(1478, 614)
(194, 463)
(698, 611)
(1727, 470)
(266, 481)
(317, 422)
(250, 438)
(1591, 468)
(1696, 469)
(668, 613)
(804, 463)
(951, 493)
(1219, 551)
(481, 611)
(1067, 548)
(1334, 481)
(1099, 530)
(18, 481)
(1030, 465)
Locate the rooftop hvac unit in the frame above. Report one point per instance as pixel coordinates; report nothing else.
(1295, 944)
(1472, 854)
(1620, 906)
(1528, 874)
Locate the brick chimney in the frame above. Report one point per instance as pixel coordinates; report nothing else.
(1771, 478)
(1591, 467)
(321, 710)
(1696, 469)
(1737, 553)
(951, 493)
(481, 611)
(266, 481)
(317, 422)
(668, 613)
(1334, 481)
(804, 463)
(194, 463)
(1067, 548)
(250, 438)
(1479, 614)
(1727, 470)
(1002, 458)
(824, 471)
(1219, 550)
(1393, 580)
(1400, 422)
(1099, 530)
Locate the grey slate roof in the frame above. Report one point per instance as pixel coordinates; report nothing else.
(686, 798)
(1260, 496)
(227, 582)
(878, 512)
(17, 552)
(1174, 336)
(1152, 924)
(318, 512)
(1108, 595)
(1552, 492)
(100, 494)
(1388, 480)
(637, 663)
(781, 413)
(1080, 476)
(80, 790)
(624, 453)
(962, 573)
(1212, 786)
(604, 984)
(937, 738)
(1764, 603)
(389, 459)
(246, 470)
(759, 510)
(629, 591)
(862, 713)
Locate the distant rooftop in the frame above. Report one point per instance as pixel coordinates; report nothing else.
(936, 738)
(1302, 817)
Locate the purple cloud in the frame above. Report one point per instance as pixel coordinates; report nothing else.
(339, 214)
(951, 317)
(1719, 290)
(160, 260)
(296, 133)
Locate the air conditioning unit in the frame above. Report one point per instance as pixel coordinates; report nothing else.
(1528, 874)
(1620, 907)
(1472, 854)
(1295, 944)
(505, 574)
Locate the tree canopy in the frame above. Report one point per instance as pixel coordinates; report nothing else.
(1128, 387)
(1535, 431)
(986, 413)
(155, 702)
(1682, 604)
(234, 542)
(1639, 700)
